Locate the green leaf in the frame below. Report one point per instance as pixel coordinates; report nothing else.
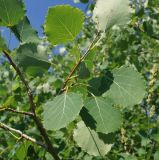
(9, 101)
(156, 156)
(48, 156)
(111, 12)
(62, 110)
(108, 119)
(63, 24)
(128, 87)
(99, 85)
(127, 156)
(94, 86)
(2, 43)
(80, 90)
(83, 71)
(31, 59)
(3, 91)
(156, 137)
(90, 141)
(24, 32)
(89, 60)
(21, 152)
(11, 12)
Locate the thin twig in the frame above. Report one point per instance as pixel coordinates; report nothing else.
(15, 111)
(38, 123)
(22, 135)
(79, 62)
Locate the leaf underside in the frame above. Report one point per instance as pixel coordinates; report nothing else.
(90, 141)
(62, 110)
(128, 87)
(108, 13)
(108, 119)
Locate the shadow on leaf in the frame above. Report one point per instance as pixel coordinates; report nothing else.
(100, 85)
(87, 118)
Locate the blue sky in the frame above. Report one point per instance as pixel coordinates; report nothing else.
(36, 12)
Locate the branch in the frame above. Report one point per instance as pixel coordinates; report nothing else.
(5, 127)
(15, 111)
(79, 62)
(38, 123)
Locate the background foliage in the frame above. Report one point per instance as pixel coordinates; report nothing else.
(109, 107)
